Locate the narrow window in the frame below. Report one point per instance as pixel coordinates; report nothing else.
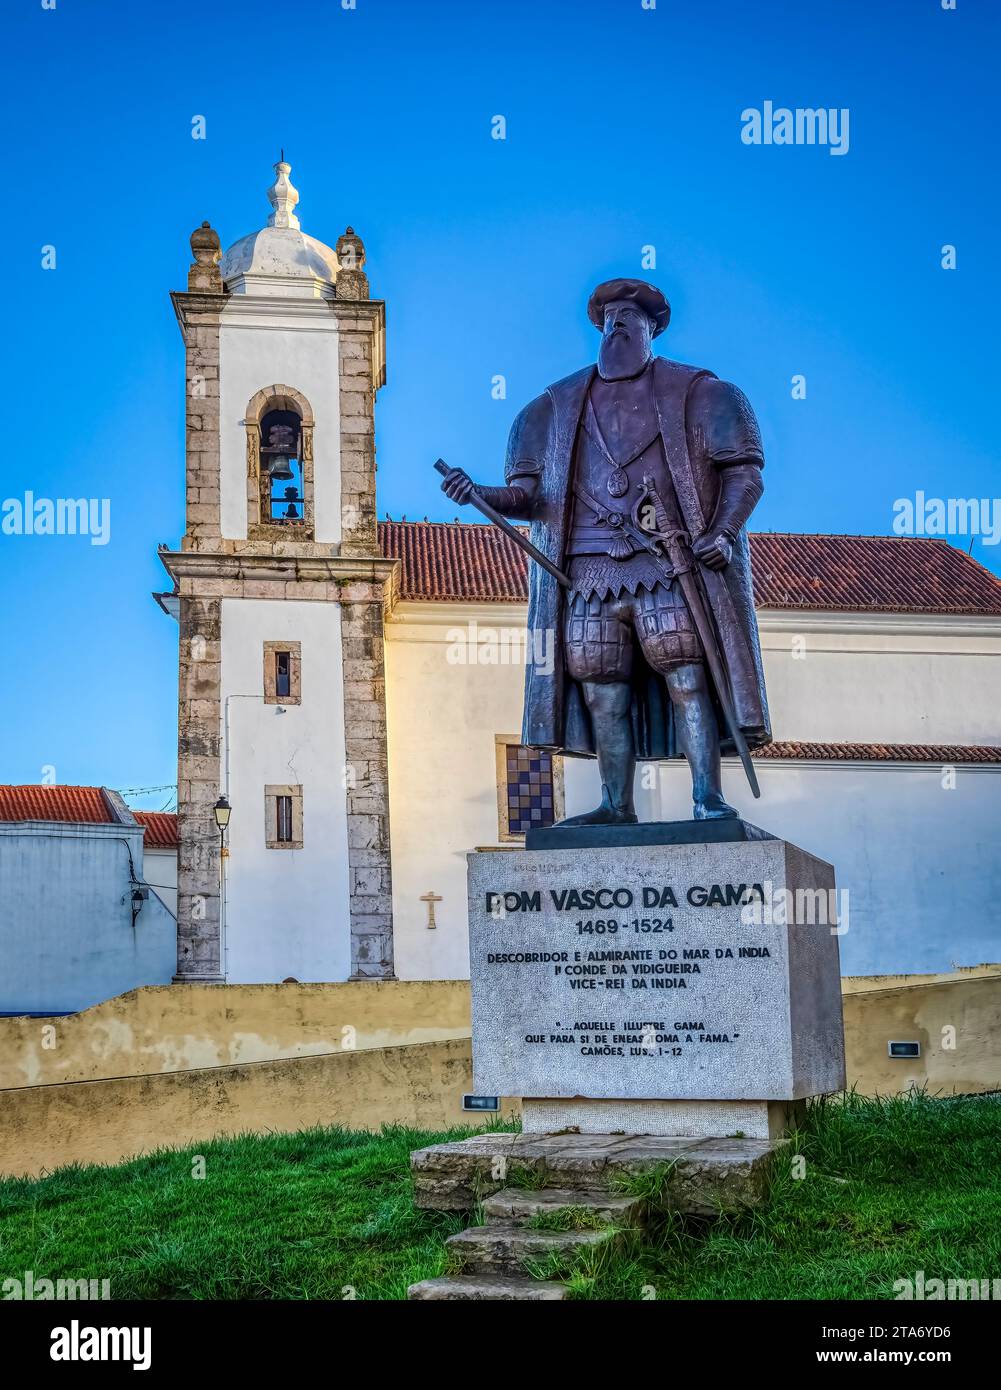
(283, 674)
(282, 816)
(529, 788)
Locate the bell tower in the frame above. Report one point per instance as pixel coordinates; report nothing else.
(280, 594)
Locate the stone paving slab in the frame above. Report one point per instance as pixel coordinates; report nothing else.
(486, 1288)
(510, 1249)
(708, 1175)
(517, 1206)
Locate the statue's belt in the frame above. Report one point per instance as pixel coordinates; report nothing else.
(631, 536)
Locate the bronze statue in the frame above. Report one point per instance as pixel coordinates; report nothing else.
(638, 477)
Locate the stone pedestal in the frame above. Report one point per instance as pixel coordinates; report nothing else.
(687, 1119)
(688, 989)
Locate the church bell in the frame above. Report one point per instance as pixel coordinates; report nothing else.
(279, 452)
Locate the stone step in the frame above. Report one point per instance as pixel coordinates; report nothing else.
(518, 1206)
(509, 1249)
(487, 1287)
(708, 1175)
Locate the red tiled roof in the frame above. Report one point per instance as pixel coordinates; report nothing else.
(474, 563)
(947, 753)
(452, 560)
(870, 573)
(80, 805)
(161, 828)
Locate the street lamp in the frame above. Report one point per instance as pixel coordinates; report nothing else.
(222, 812)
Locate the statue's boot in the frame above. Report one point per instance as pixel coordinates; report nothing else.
(713, 807)
(608, 813)
(608, 705)
(698, 737)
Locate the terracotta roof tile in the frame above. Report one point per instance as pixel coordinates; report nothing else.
(871, 574)
(475, 563)
(452, 560)
(161, 828)
(80, 805)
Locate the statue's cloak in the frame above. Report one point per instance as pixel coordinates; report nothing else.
(543, 442)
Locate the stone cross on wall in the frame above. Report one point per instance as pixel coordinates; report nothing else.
(431, 899)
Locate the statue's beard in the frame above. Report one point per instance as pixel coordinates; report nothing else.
(620, 354)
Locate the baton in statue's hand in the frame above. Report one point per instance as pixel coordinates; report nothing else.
(485, 509)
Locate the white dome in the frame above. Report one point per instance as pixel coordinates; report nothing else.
(282, 254)
(280, 259)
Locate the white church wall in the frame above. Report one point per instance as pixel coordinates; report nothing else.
(912, 853)
(874, 678)
(287, 910)
(442, 722)
(915, 850)
(286, 345)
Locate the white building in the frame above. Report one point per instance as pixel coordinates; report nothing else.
(82, 914)
(353, 691)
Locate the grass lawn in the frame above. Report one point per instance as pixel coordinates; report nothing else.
(889, 1188)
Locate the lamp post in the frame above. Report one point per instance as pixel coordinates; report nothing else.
(222, 812)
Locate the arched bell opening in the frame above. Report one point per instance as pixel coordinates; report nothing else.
(282, 496)
(279, 424)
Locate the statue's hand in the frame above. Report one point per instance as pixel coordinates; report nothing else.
(457, 485)
(713, 551)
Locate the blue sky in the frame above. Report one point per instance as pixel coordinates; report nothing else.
(623, 131)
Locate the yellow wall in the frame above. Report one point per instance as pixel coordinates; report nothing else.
(180, 1027)
(170, 1028)
(166, 1067)
(854, 984)
(420, 1086)
(957, 1021)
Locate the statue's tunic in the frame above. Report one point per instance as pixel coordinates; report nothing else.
(621, 593)
(699, 426)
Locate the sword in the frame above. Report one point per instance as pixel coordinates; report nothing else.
(475, 500)
(691, 586)
(685, 570)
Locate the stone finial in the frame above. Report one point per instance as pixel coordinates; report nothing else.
(204, 274)
(352, 282)
(205, 244)
(283, 198)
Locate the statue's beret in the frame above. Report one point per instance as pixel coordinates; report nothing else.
(648, 297)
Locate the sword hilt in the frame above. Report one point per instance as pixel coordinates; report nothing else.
(675, 539)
